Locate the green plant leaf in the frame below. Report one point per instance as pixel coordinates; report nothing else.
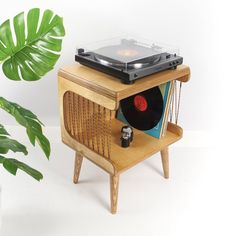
(12, 165)
(3, 131)
(37, 45)
(30, 121)
(7, 144)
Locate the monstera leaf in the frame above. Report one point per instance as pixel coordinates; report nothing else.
(30, 121)
(12, 165)
(36, 47)
(28, 50)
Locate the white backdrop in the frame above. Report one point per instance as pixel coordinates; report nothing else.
(196, 27)
(199, 198)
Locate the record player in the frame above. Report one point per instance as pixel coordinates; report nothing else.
(128, 59)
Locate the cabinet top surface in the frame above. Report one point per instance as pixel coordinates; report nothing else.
(112, 87)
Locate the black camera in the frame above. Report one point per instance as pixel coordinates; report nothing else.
(126, 136)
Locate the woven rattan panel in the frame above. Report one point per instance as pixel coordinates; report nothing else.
(88, 123)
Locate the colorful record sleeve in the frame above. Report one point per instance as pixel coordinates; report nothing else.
(148, 110)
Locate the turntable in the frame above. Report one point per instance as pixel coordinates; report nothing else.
(128, 59)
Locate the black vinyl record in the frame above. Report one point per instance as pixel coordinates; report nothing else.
(143, 111)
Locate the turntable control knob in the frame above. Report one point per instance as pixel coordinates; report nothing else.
(167, 56)
(80, 50)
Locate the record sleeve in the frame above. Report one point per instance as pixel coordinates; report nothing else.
(157, 130)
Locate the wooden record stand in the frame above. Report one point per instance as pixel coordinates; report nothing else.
(89, 100)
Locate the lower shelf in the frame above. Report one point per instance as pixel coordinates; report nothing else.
(142, 147)
(121, 159)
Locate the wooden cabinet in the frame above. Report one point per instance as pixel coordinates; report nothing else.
(88, 101)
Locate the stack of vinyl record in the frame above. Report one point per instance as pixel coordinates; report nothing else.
(148, 111)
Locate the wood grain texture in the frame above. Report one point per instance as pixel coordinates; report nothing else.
(165, 162)
(77, 167)
(68, 85)
(112, 88)
(121, 159)
(114, 186)
(88, 123)
(106, 91)
(63, 86)
(175, 129)
(142, 147)
(97, 159)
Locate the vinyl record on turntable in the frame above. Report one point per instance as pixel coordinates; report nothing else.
(125, 56)
(143, 111)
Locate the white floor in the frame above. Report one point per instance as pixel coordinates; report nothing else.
(198, 199)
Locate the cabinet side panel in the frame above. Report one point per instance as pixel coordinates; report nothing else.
(88, 123)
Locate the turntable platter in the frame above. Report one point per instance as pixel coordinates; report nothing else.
(126, 56)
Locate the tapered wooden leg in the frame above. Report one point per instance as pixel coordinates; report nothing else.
(114, 185)
(165, 162)
(78, 163)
